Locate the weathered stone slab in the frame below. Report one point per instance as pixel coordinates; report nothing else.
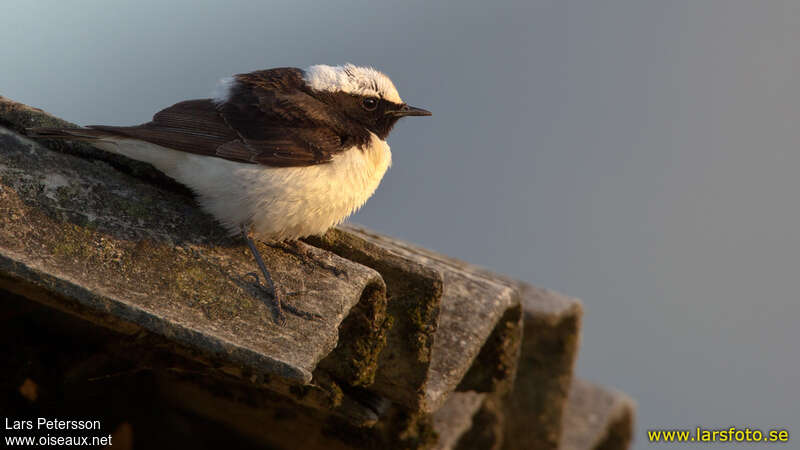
(488, 424)
(472, 305)
(551, 334)
(84, 238)
(74, 367)
(279, 423)
(597, 418)
(454, 418)
(493, 370)
(462, 423)
(470, 421)
(415, 293)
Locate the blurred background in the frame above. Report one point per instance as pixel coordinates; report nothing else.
(638, 154)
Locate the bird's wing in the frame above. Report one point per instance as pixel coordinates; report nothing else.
(268, 119)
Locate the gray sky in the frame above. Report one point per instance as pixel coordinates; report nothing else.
(638, 154)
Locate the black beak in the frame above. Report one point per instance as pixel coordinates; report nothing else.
(406, 110)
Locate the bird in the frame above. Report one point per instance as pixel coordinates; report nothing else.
(279, 154)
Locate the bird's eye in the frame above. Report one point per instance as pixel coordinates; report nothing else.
(370, 103)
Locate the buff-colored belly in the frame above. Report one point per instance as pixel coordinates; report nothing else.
(278, 203)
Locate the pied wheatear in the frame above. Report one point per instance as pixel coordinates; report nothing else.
(282, 153)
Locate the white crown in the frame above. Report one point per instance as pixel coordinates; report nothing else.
(352, 79)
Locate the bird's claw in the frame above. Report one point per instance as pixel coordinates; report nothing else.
(300, 313)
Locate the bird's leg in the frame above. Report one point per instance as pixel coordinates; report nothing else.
(280, 318)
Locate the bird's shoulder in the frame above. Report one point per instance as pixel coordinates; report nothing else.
(274, 80)
(280, 95)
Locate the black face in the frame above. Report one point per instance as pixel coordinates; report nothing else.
(370, 112)
(375, 114)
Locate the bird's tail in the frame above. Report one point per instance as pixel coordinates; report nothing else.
(77, 134)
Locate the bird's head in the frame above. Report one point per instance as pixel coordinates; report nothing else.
(363, 94)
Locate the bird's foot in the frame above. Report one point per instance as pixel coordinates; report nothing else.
(278, 306)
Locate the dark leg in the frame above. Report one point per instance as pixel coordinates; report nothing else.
(280, 318)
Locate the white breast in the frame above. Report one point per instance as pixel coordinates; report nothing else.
(279, 202)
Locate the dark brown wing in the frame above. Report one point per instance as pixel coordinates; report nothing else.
(192, 126)
(270, 118)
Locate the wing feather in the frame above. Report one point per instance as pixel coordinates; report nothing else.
(270, 118)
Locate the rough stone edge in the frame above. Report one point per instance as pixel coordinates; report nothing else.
(551, 336)
(414, 292)
(488, 424)
(495, 367)
(455, 418)
(504, 334)
(597, 418)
